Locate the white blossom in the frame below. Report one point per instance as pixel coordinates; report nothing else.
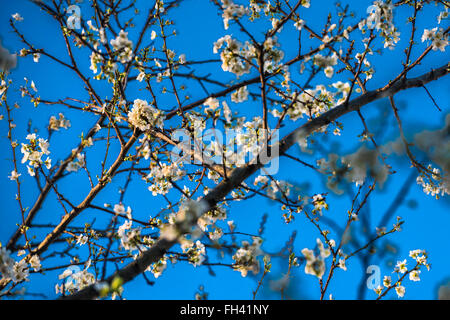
(232, 11)
(35, 262)
(387, 281)
(17, 17)
(246, 257)
(400, 290)
(299, 24)
(158, 267)
(439, 39)
(401, 266)
(315, 265)
(123, 46)
(144, 116)
(58, 123)
(414, 275)
(161, 175)
(240, 95)
(14, 175)
(34, 151)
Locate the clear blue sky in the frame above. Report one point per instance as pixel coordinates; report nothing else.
(199, 25)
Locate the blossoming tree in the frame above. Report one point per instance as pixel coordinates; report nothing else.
(185, 139)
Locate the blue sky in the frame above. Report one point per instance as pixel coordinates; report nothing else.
(198, 26)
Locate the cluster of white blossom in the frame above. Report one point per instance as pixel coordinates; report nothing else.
(268, 8)
(246, 257)
(145, 150)
(261, 179)
(195, 252)
(434, 186)
(58, 123)
(235, 55)
(16, 271)
(255, 8)
(315, 265)
(314, 102)
(145, 116)
(89, 142)
(362, 59)
(212, 105)
(96, 58)
(213, 175)
(36, 57)
(14, 175)
(82, 239)
(240, 95)
(272, 54)
(319, 202)
(120, 209)
(212, 216)
(381, 18)
(232, 11)
(299, 24)
(443, 15)
(197, 124)
(275, 189)
(130, 238)
(16, 16)
(239, 193)
(184, 220)
(75, 279)
(227, 113)
(246, 139)
(439, 39)
(326, 63)
(33, 152)
(78, 162)
(107, 67)
(420, 257)
(157, 268)
(123, 46)
(279, 189)
(306, 3)
(434, 181)
(342, 91)
(162, 175)
(101, 34)
(249, 137)
(208, 222)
